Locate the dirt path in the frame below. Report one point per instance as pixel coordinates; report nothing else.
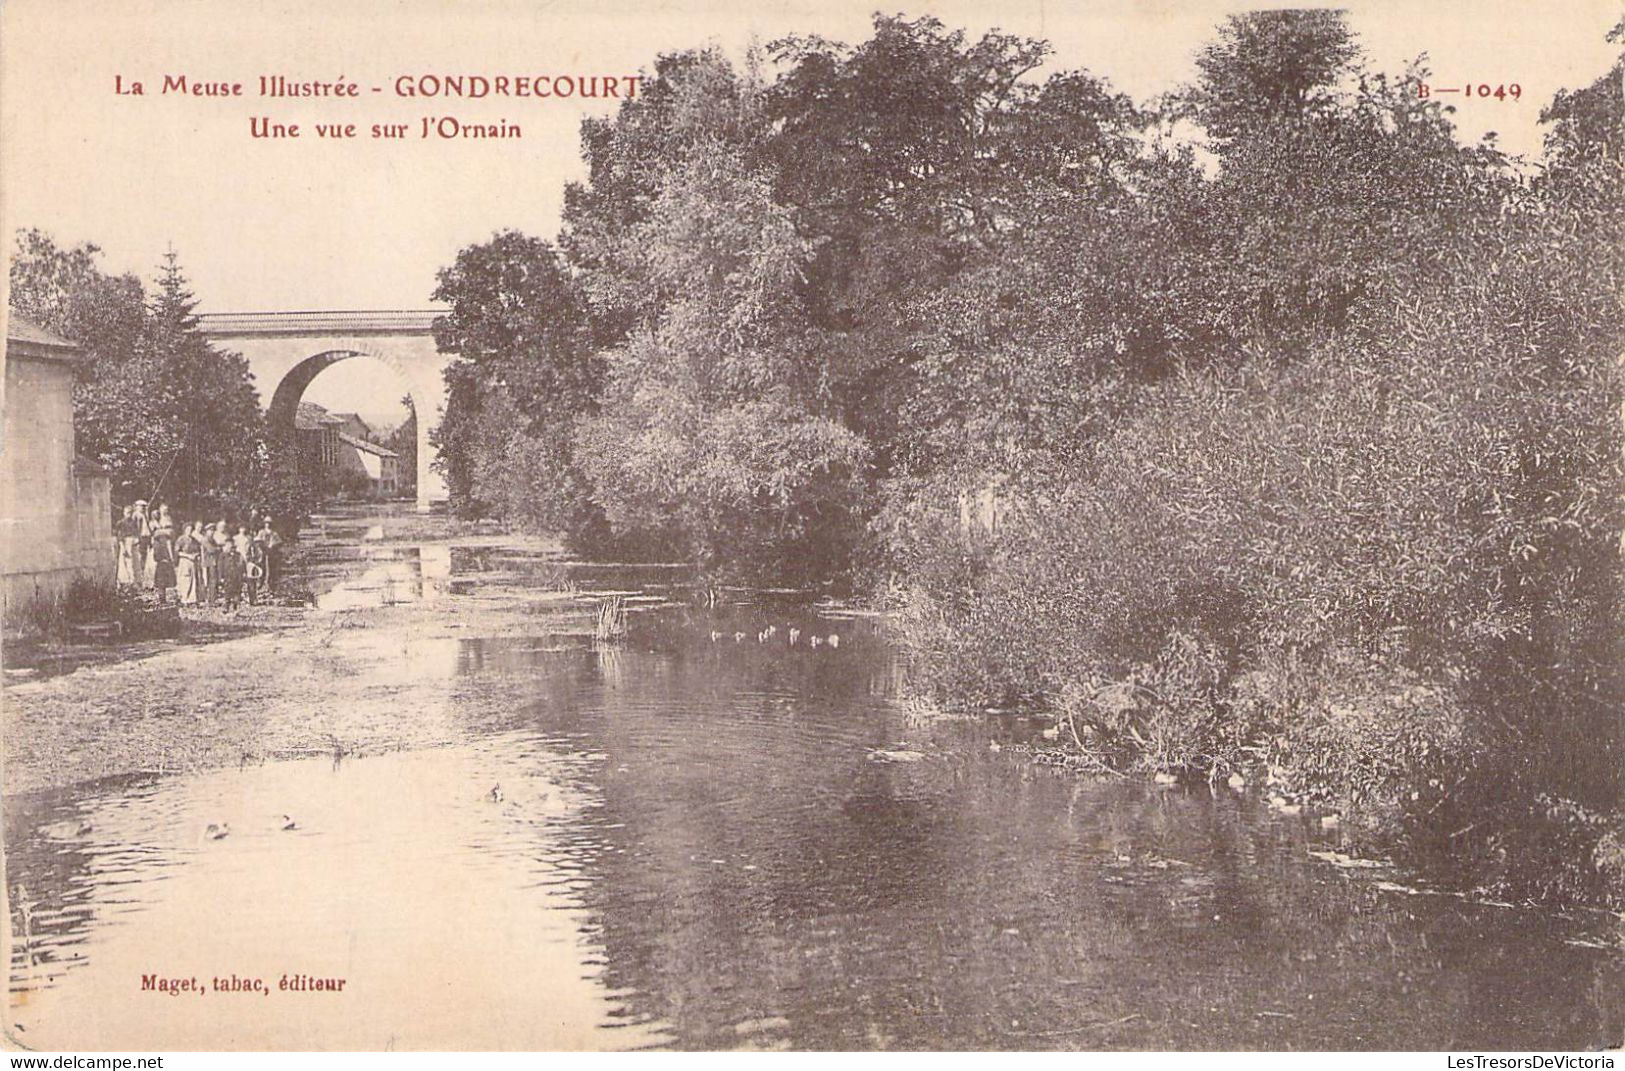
(275, 680)
(356, 681)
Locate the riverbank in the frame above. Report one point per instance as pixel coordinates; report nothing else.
(1435, 770)
(370, 664)
(344, 669)
(297, 681)
(36, 658)
(715, 836)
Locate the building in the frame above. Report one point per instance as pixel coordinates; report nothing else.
(319, 430)
(351, 462)
(56, 513)
(378, 463)
(352, 424)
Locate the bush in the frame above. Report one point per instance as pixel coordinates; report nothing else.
(42, 614)
(1389, 569)
(50, 615)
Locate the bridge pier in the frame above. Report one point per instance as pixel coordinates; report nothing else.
(429, 401)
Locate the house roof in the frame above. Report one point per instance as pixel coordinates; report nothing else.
(354, 419)
(24, 338)
(371, 448)
(311, 416)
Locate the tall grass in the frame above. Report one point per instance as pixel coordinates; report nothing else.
(609, 625)
(48, 613)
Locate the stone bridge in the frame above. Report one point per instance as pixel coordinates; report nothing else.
(286, 350)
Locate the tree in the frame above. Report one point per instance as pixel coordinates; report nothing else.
(205, 400)
(1585, 142)
(1315, 455)
(525, 370)
(154, 403)
(65, 291)
(404, 441)
(1271, 67)
(1336, 187)
(910, 159)
(711, 430)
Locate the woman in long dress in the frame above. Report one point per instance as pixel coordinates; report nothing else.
(124, 530)
(187, 550)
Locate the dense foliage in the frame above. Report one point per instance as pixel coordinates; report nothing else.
(1355, 522)
(1265, 428)
(526, 370)
(168, 415)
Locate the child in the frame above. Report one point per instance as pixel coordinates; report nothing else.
(254, 571)
(163, 560)
(268, 538)
(231, 575)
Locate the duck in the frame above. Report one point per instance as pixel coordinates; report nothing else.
(715, 635)
(739, 637)
(217, 831)
(816, 640)
(834, 640)
(288, 822)
(495, 795)
(795, 634)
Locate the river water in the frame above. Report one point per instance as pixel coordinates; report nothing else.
(705, 837)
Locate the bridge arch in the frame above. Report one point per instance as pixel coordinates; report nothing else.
(286, 351)
(282, 408)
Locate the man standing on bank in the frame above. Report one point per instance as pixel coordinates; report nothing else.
(143, 543)
(210, 557)
(268, 538)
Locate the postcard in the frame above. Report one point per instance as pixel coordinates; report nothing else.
(719, 525)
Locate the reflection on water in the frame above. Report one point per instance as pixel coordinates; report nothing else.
(454, 919)
(691, 845)
(347, 576)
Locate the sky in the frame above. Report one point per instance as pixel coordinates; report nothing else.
(312, 223)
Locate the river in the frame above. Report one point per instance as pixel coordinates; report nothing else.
(708, 837)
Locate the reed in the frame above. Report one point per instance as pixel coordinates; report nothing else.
(610, 624)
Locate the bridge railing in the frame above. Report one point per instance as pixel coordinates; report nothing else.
(315, 321)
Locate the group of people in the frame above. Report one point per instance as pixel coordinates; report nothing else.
(204, 564)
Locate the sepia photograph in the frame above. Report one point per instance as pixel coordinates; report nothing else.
(788, 526)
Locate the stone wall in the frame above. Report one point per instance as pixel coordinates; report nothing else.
(55, 516)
